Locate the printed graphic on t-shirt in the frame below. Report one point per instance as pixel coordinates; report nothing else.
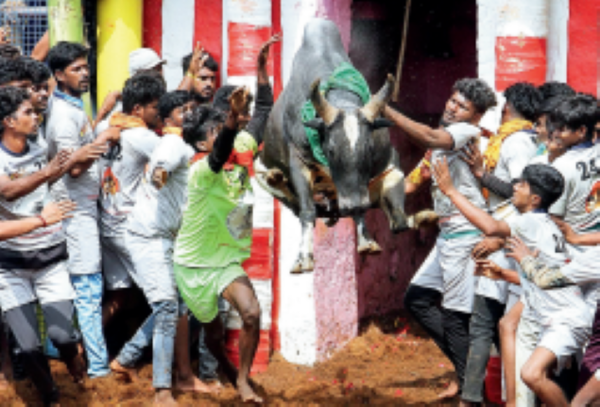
(110, 183)
(592, 203)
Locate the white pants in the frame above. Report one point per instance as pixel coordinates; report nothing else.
(449, 270)
(117, 264)
(528, 333)
(47, 285)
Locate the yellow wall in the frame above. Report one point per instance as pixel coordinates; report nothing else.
(119, 33)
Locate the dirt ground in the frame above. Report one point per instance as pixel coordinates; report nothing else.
(396, 368)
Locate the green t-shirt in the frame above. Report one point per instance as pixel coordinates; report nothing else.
(216, 228)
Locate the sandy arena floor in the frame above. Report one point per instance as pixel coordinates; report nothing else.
(399, 368)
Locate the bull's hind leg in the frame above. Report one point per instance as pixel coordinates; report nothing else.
(300, 177)
(365, 244)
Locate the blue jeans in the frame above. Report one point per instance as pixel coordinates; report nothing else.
(158, 329)
(88, 304)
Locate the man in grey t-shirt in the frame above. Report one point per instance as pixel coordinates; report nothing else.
(444, 276)
(68, 128)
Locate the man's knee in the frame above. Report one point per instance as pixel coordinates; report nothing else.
(250, 315)
(532, 376)
(507, 325)
(166, 316)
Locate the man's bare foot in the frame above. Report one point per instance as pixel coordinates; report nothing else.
(215, 386)
(164, 398)
(192, 385)
(247, 393)
(129, 373)
(450, 392)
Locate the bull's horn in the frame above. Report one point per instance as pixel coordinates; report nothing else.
(324, 109)
(373, 109)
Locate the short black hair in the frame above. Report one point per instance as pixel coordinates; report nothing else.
(64, 54)
(478, 92)
(38, 71)
(13, 70)
(142, 90)
(9, 51)
(172, 100)
(553, 89)
(199, 123)
(11, 99)
(575, 112)
(210, 63)
(525, 99)
(221, 98)
(545, 181)
(549, 105)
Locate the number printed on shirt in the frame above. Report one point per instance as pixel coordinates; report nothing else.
(587, 170)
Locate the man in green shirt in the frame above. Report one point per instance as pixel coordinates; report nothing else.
(216, 232)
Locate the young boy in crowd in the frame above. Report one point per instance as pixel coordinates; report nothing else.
(69, 128)
(445, 276)
(563, 314)
(33, 266)
(39, 91)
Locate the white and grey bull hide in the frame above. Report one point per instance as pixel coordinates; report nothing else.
(363, 167)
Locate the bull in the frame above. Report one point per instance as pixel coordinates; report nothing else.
(363, 170)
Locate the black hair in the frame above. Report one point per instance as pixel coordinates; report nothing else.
(199, 123)
(37, 70)
(141, 89)
(64, 54)
(478, 92)
(525, 99)
(13, 70)
(221, 98)
(545, 181)
(171, 101)
(210, 63)
(9, 51)
(11, 99)
(575, 112)
(549, 105)
(553, 89)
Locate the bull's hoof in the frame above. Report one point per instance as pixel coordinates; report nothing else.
(303, 264)
(423, 218)
(369, 247)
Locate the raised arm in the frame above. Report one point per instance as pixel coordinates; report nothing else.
(264, 93)
(478, 217)
(199, 57)
(422, 134)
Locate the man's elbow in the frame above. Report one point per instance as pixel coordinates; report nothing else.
(9, 194)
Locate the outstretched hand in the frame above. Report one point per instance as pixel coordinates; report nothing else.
(198, 60)
(516, 249)
(263, 55)
(489, 269)
(54, 212)
(441, 173)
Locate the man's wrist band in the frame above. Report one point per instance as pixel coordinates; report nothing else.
(40, 217)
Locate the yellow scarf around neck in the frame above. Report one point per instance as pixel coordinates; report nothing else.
(492, 152)
(125, 121)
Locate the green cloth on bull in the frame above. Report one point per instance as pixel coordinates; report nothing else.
(345, 77)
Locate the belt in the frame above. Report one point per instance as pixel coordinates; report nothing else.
(457, 235)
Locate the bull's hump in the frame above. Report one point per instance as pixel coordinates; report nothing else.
(320, 31)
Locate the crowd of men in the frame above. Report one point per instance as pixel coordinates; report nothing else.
(155, 194)
(519, 224)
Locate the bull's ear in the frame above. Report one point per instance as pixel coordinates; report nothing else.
(316, 124)
(381, 123)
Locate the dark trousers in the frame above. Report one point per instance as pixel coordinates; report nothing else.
(23, 323)
(483, 331)
(449, 329)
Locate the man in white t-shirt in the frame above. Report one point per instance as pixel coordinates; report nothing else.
(33, 265)
(507, 153)
(563, 314)
(445, 274)
(121, 173)
(68, 128)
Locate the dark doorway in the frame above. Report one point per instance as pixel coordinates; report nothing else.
(440, 48)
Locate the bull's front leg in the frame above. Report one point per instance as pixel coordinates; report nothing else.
(366, 244)
(300, 177)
